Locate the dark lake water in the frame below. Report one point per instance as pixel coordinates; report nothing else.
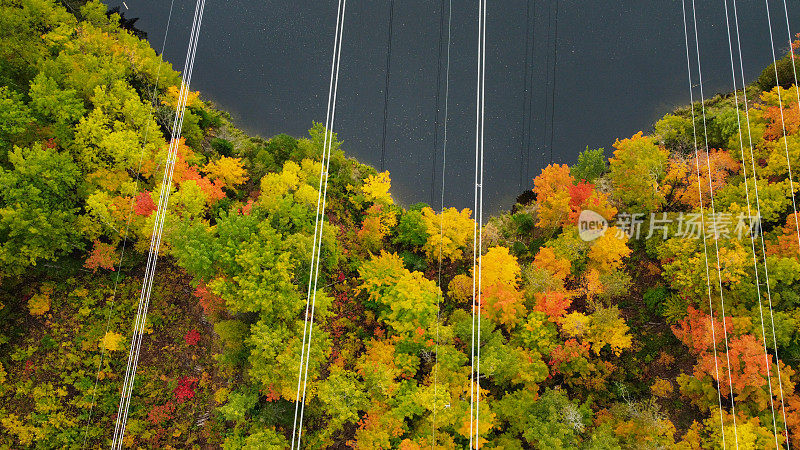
(620, 66)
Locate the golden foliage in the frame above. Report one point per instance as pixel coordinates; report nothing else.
(608, 250)
(39, 303)
(173, 94)
(452, 232)
(547, 259)
(500, 276)
(460, 287)
(661, 387)
(376, 188)
(230, 170)
(608, 328)
(499, 267)
(111, 341)
(592, 283)
(682, 177)
(552, 194)
(274, 185)
(576, 324)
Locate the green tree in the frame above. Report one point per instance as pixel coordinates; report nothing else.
(15, 117)
(38, 208)
(275, 355)
(406, 300)
(112, 135)
(60, 106)
(766, 80)
(343, 395)
(551, 420)
(591, 165)
(507, 365)
(637, 167)
(675, 132)
(23, 26)
(411, 230)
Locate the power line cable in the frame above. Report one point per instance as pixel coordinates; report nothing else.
(702, 222)
(441, 218)
(797, 92)
(791, 180)
(438, 91)
(309, 320)
(144, 301)
(547, 80)
(317, 232)
(553, 90)
(127, 228)
(155, 242)
(530, 98)
(750, 214)
(386, 86)
(749, 211)
(523, 135)
(714, 220)
(477, 243)
(160, 213)
(755, 185)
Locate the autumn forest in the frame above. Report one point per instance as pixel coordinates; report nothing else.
(647, 296)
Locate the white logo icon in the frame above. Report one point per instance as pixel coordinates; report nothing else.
(591, 225)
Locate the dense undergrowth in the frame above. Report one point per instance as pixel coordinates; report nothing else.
(601, 343)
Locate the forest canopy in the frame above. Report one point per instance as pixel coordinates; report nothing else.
(613, 341)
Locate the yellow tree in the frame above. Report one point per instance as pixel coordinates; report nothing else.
(378, 222)
(552, 189)
(295, 180)
(502, 302)
(682, 176)
(608, 250)
(609, 329)
(172, 96)
(557, 267)
(376, 188)
(460, 287)
(450, 232)
(602, 328)
(229, 170)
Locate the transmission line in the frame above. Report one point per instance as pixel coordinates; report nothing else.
(477, 243)
(791, 181)
(529, 85)
(523, 135)
(747, 197)
(553, 90)
(438, 91)
(702, 221)
(441, 219)
(158, 228)
(386, 86)
(319, 221)
(127, 226)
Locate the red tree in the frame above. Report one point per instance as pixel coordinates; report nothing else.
(185, 389)
(144, 205)
(103, 255)
(192, 337)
